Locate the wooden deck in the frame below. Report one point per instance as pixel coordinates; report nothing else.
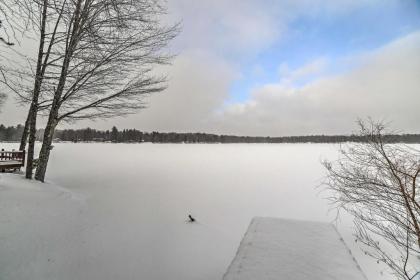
(280, 249)
(11, 160)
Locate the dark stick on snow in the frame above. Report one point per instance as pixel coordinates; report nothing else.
(192, 220)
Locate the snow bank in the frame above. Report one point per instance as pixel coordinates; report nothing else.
(38, 226)
(280, 249)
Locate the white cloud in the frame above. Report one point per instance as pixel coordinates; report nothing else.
(238, 27)
(225, 26)
(199, 84)
(308, 70)
(386, 86)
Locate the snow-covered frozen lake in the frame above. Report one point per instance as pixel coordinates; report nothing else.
(126, 217)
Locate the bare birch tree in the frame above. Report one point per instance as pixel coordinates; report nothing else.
(97, 61)
(27, 81)
(377, 183)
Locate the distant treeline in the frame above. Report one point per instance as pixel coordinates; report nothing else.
(13, 133)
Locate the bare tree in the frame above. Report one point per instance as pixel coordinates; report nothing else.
(94, 60)
(377, 183)
(98, 61)
(26, 81)
(42, 62)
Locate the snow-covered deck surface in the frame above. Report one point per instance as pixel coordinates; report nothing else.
(9, 162)
(292, 250)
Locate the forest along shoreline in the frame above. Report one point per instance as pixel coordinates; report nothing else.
(14, 133)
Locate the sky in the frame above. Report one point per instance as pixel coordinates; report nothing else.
(283, 67)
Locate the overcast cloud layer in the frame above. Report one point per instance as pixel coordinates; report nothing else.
(385, 86)
(229, 76)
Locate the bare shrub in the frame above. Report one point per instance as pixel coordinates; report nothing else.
(377, 183)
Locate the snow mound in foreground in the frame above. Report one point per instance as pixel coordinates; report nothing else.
(288, 249)
(39, 224)
(12, 184)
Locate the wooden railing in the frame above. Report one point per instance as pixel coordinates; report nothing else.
(11, 160)
(12, 155)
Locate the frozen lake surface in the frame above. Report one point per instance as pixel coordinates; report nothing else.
(128, 217)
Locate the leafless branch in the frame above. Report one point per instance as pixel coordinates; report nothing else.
(99, 61)
(376, 182)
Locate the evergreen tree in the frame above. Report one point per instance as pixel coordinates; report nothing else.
(114, 134)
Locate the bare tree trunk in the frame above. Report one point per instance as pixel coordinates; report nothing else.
(44, 154)
(55, 106)
(35, 97)
(31, 142)
(24, 138)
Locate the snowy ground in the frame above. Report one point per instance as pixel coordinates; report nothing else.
(120, 210)
(275, 249)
